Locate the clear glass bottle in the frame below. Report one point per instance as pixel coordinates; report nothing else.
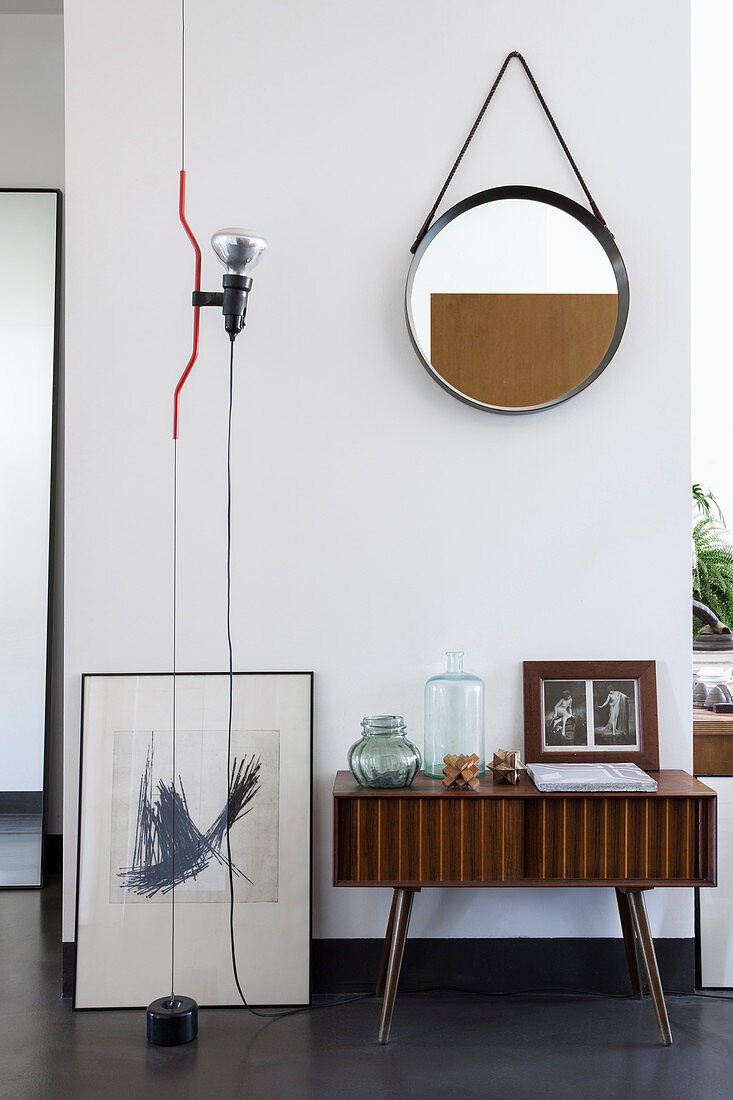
(454, 716)
(384, 757)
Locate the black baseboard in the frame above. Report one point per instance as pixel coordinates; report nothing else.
(594, 965)
(54, 854)
(21, 802)
(499, 965)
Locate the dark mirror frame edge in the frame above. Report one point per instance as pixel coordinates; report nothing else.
(53, 498)
(568, 206)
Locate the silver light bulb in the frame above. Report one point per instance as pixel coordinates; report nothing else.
(238, 250)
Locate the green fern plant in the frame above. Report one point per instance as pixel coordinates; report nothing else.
(705, 504)
(712, 578)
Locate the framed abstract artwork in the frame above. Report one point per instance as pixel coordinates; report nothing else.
(140, 832)
(603, 711)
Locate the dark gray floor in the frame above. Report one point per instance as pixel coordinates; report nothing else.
(442, 1045)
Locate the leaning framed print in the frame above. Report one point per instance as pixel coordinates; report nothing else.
(149, 835)
(577, 711)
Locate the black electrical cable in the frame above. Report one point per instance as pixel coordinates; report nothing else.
(232, 944)
(550, 992)
(698, 994)
(175, 569)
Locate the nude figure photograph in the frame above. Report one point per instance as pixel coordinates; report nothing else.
(565, 712)
(614, 713)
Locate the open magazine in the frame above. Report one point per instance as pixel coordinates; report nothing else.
(590, 777)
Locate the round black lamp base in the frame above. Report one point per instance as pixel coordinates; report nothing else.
(172, 1022)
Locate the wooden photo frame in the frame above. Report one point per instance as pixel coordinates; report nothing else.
(581, 711)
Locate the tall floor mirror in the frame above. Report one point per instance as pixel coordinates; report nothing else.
(30, 223)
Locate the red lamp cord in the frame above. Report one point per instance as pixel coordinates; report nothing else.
(196, 309)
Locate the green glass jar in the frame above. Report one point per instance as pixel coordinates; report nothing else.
(384, 757)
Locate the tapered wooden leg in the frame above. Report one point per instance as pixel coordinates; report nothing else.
(387, 946)
(627, 927)
(403, 908)
(640, 921)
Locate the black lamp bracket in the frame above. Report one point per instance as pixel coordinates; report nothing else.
(207, 298)
(233, 301)
(241, 283)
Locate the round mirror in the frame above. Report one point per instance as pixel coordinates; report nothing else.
(516, 299)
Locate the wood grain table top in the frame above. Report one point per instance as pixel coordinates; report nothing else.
(672, 783)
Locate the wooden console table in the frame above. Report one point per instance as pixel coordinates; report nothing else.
(499, 835)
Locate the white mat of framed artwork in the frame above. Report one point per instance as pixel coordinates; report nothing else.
(125, 825)
(716, 903)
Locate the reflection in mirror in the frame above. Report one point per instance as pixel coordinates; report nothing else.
(516, 299)
(28, 273)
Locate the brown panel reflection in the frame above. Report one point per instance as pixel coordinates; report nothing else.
(515, 350)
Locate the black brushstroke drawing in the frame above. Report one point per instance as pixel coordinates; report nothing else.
(153, 867)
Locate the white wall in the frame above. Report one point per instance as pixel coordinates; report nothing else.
(32, 144)
(712, 245)
(378, 521)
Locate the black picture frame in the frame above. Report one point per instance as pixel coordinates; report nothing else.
(73, 948)
(698, 910)
(53, 505)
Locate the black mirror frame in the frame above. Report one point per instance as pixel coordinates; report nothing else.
(52, 505)
(561, 202)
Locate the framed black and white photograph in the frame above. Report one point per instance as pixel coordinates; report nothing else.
(565, 713)
(144, 837)
(591, 711)
(614, 713)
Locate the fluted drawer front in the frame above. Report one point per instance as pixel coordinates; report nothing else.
(512, 840)
(428, 840)
(613, 838)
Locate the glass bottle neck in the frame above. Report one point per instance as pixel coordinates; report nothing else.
(383, 724)
(454, 660)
